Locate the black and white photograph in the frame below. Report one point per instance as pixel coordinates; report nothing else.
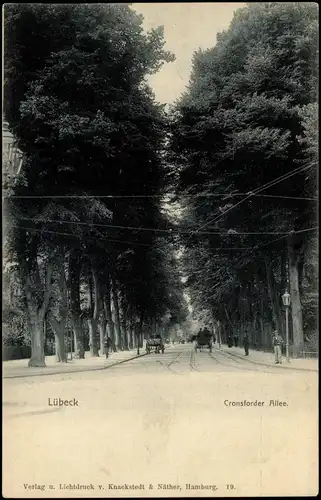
(160, 200)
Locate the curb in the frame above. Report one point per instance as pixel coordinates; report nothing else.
(77, 370)
(271, 366)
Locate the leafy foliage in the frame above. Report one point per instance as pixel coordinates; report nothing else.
(248, 118)
(92, 136)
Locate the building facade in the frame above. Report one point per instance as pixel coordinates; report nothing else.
(11, 155)
(11, 167)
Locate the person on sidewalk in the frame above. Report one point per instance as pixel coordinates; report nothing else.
(277, 341)
(246, 343)
(229, 341)
(236, 340)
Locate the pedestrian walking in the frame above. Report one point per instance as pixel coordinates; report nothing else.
(107, 344)
(246, 343)
(277, 341)
(236, 340)
(229, 341)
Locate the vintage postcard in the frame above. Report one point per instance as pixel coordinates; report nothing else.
(160, 250)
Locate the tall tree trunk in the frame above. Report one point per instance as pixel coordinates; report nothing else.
(75, 310)
(219, 333)
(102, 326)
(117, 319)
(240, 307)
(284, 271)
(59, 332)
(131, 336)
(140, 330)
(296, 308)
(123, 326)
(36, 325)
(109, 317)
(95, 308)
(92, 328)
(275, 299)
(130, 329)
(78, 336)
(59, 325)
(260, 310)
(37, 304)
(135, 336)
(213, 323)
(250, 305)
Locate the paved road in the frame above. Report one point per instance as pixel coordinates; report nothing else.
(182, 359)
(163, 419)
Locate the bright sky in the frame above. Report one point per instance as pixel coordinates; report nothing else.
(187, 27)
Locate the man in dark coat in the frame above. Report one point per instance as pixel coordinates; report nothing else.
(277, 341)
(206, 332)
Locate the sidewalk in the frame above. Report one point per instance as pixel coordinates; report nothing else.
(267, 359)
(19, 367)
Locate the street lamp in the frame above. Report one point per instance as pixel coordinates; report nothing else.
(286, 301)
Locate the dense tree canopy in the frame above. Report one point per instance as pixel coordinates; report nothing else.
(247, 122)
(92, 135)
(89, 238)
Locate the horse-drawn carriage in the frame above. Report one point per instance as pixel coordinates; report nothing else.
(203, 340)
(155, 344)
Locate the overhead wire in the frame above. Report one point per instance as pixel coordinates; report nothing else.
(285, 236)
(255, 191)
(31, 229)
(171, 231)
(75, 236)
(174, 195)
(190, 231)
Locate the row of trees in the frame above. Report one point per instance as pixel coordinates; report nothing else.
(93, 138)
(248, 119)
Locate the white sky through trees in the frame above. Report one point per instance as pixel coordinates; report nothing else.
(187, 27)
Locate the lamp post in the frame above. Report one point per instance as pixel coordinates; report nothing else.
(286, 301)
